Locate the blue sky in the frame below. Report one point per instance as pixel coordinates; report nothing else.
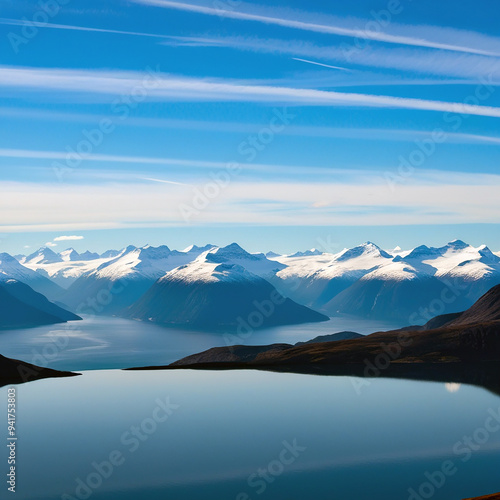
(280, 125)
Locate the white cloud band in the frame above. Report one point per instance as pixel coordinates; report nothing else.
(166, 87)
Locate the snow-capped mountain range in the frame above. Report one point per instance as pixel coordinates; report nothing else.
(364, 281)
(370, 282)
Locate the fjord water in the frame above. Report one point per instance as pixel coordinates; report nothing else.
(374, 444)
(109, 342)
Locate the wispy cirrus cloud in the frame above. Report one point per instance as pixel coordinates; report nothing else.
(220, 90)
(63, 155)
(189, 166)
(70, 27)
(444, 63)
(424, 36)
(120, 170)
(401, 59)
(479, 44)
(230, 127)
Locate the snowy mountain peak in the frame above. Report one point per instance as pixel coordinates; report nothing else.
(194, 249)
(69, 255)
(307, 253)
(204, 271)
(43, 256)
(367, 249)
(423, 251)
(109, 254)
(128, 249)
(457, 245)
(233, 254)
(233, 248)
(88, 255)
(272, 255)
(12, 269)
(145, 263)
(487, 256)
(6, 258)
(230, 252)
(153, 253)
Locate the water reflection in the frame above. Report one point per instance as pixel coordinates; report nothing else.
(453, 387)
(228, 426)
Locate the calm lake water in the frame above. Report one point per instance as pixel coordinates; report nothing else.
(228, 426)
(108, 342)
(239, 435)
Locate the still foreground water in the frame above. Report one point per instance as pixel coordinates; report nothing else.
(240, 435)
(244, 435)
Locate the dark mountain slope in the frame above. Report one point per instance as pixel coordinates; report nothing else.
(21, 307)
(13, 371)
(233, 299)
(485, 310)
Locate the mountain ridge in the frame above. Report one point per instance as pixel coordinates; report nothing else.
(364, 281)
